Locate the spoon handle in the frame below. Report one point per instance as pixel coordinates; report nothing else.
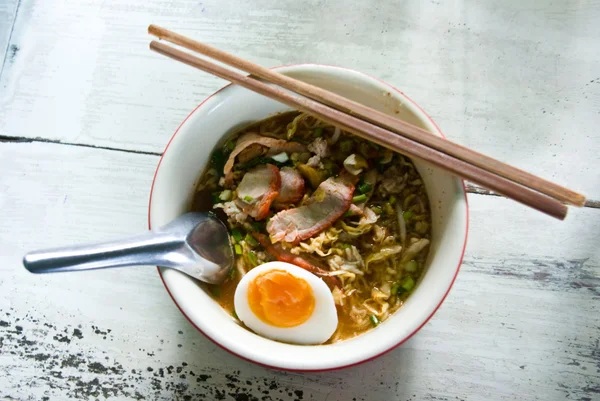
(147, 249)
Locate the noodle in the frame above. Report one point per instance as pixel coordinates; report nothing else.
(376, 250)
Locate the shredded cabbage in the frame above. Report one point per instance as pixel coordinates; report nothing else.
(382, 254)
(401, 223)
(414, 249)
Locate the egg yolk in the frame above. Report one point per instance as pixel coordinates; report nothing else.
(281, 299)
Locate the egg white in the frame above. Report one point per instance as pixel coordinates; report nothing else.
(315, 330)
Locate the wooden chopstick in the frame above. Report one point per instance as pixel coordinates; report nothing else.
(376, 117)
(375, 134)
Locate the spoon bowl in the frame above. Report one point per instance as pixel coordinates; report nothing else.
(196, 244)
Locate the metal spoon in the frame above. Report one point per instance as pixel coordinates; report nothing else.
(196, 244)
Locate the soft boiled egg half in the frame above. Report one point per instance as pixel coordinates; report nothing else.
(286, 303)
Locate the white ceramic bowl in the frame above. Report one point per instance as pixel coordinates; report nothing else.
(233, 107)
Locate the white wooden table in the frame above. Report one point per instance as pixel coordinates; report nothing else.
(86, 110)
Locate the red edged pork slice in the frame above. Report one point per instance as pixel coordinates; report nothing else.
(250, 153)
(258, 189)
(282, 255)
(327, 204)
(251, 138)
(292, 186)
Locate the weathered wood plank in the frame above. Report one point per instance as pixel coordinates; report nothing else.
(521, 322)
(515, 80)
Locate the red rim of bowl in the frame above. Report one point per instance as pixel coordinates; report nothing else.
(402, 341)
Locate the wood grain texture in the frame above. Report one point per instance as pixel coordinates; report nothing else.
(515, 80)
(8, 15)
(521, 322)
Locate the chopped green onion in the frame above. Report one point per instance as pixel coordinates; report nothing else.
(250, 240)
(248, 198)
(253, 258)
(411, 266)
(281, 157)
(394, 289)
(236, 234)
(359, 198)
(235, 316)
(408, 283)
(218, 161)
(364, 188)
(377, 209)
(216, 197)
(231, 273)
(238, 249)
(225, 195)
(258, 226)
(388, 209)
(343, 245)
(348, 213)
(330, 167)
(393, 199)
(422, 227)
(374, 320)
(318, 132)
(407, 215)
(346, 146)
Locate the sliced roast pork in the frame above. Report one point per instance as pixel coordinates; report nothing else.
(275, 145)
(258, 189)
(250, 153)
(292, 186)
(327, 204)
(307, 263)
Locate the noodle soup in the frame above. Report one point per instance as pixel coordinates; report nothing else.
(295, 189)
